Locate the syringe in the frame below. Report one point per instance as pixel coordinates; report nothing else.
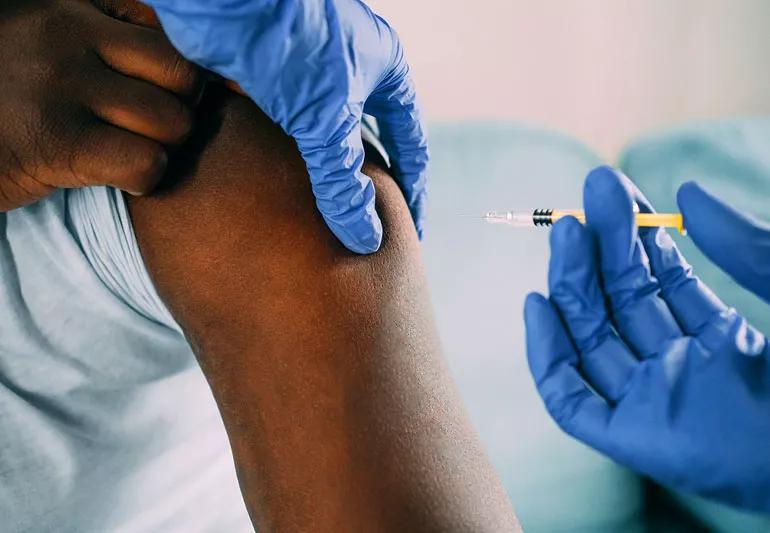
(547, 217)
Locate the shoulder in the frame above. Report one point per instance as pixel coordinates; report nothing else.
(237, 213)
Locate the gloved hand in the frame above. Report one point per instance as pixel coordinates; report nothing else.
(314, 66)
(634, 356)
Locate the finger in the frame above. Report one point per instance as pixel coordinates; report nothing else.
(641, 317)
(728, 332)
(344, 195)
(691, 302)
(107, 155)
(142, 108)
(573, 281)
(148, 55)
(402, 133)
(699, 311)
(21, 189)
(737, 243)
(552, 361)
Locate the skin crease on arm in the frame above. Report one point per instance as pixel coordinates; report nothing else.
(326, 367)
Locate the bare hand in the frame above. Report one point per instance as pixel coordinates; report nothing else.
(87, 100)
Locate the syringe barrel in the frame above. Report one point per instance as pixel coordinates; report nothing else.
(510, 218)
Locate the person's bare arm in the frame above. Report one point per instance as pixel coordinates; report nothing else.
(325, 365)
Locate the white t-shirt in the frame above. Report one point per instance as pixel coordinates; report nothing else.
(106, 421)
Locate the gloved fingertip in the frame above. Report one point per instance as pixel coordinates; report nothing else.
(363, 236)
(689, 193)
(704, 214)
(606, 188)
(532, 304)
(735, 241)
(706, 217)
(565, 232)
(538, 324)
(603, 176)
(541, 322)
(608, 202)
(363, 246)
(368, 241)
(608, 180)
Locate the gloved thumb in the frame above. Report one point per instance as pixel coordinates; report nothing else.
(739, 244)
(394, 105)
(344, 195)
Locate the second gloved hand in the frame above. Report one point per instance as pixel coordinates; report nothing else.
(634, 356)
(314, 67)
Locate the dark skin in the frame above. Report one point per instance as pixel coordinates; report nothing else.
(325, 365)
(86, 100)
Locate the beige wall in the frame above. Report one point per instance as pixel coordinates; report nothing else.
(603, 70)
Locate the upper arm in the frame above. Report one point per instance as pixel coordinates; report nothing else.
(325, 364)
(240, 214)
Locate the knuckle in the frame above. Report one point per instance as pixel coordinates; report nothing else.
(62, 36)
(66, 22)
(184, 75)
(562, 410)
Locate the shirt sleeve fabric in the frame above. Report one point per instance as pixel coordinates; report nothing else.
(100, 221)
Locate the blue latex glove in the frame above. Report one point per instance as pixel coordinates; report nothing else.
(314, 67)
(634, 356)
(737, 243)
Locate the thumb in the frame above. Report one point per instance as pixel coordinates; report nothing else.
(737, 243)
(394, 104)
(344, 195)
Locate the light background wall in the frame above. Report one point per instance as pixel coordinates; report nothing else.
(602, 70)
